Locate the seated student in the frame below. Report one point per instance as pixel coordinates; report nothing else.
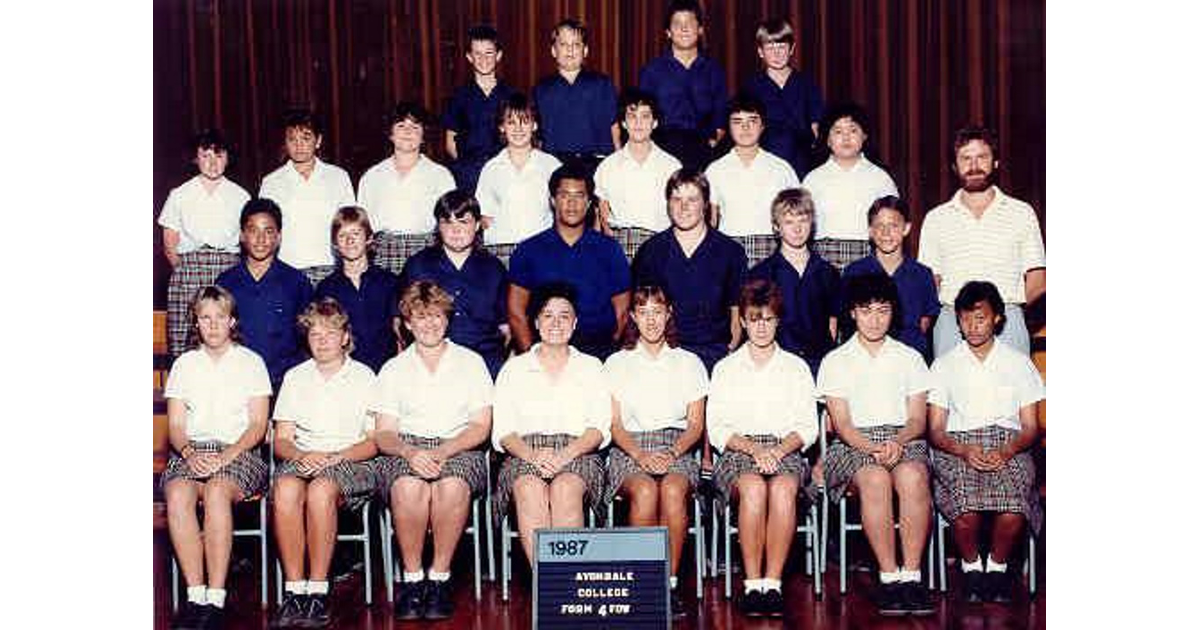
(308, 192)
(200, 232)
(365, 291)
(512, 185)
(571, 252)
(874, 388)
(324, 444)
(398, 193)
(458, 263)
(434, 402)
(577, 107)
(762, 414)
(552, 413)
(658, 392)
(982, 421)
(270, 293)
(844, 187)
(745, 180)
(810, 286)
(630, 182)
(919, 306)
(217, 400)
(470, 118)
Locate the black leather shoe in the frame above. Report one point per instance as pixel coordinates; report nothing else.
(190, 616)
(974, 589)
(772, 603)
(677, 609)
(410, 601)
(998, 587)
(752, 604)
(439, 602)
(889, 600)
(214, 618)
(917, 600)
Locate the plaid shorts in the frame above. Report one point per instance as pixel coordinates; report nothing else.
(589, 467)
(843, 460)
(631, 239)
(469, 466)
(503, 251)
(757, 246)
(958, 488)
(841, 252)
(355, 480)
(621, 465)
(392, 249)
(731, 464)
(248, 471)
(196, 270)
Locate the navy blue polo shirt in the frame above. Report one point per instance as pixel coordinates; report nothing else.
(267, 310)
(809, 300)
(472, 116)
(918, 297)
(371, 307)
(688, 97)
(576, 117)
(790, 112)
(480, 291)
(595, 266)
(702, 288)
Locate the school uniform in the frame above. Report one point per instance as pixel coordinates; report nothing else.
(308, 206)
(330, 414)
(983, 400)
(216, 394)
(876, 389)
(841, 198)
(471, 115)
(635, 194)
(401, 207)
(576, 117)
(267, 310)
(918, 298)
(654, 394)
(432, 407)
(517, 201)
(208, 228)
(691, 100)
(810, 298)
(371, 307)
(789, 112)
(745, 193)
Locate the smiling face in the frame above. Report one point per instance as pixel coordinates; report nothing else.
(686, 207)
(458, 232)
(301, 144)
(794, 228)
(428, 325)
(775, 55)
(351, 242)
(846, 138)
(215, 324)
(483, 57)
(517, 129)
(975, 166)
(407, 136)
(888, 229)
(571, 203)
(684, 31)
(556, 322)
(651, 318)
(211, 163)
(568, 50)
(760, 323)
(260, 237)
(327, 342)
(639, 122)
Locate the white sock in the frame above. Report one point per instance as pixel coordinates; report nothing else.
(768, 584)
(415, 576)
(318, 588)
(216, 597)
(438, 576)
(993, 566)
(674, 581)
(909, 575)
(977, 565)
(891, 577)
(195, 594)
(295, 588)
(753, 585)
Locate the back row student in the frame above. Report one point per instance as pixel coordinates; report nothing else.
(470, 118)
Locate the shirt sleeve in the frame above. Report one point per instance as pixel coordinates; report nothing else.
(697, 379)
(364, 193)
(178, 379)
(171, 216)
(790, 180)
(454, 118)
(618, 269)
(931, 307)
(1029, 388)
(889, 184)
(939, 385)
(287, 405)
(918, 378)
(386, 392)
(722, 402)
(485, 191)
(520, 267)
(1033, 251)
(736, 275)
(269, 189)
(504, 406)
(815, 104)
(443, 182)
(599, 406)
(479, 389)
(258, 381)
(501, 306)
(718, 98)
(831, 378)
(927, 248)
(601, 178)
(345, 189)
(804, 393)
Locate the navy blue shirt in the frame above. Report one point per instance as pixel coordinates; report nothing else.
(267, 310)
(371, 307)
(790, 113)
(472, 116)
(576, 117)
(595, 266)
(918, 297)
(809, 300)
(480, 291)
(702, 288)
(688, 97)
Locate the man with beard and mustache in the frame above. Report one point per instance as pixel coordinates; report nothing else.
(983, 234)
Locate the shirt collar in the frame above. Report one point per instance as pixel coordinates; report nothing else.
(742, 355)
(536, 366)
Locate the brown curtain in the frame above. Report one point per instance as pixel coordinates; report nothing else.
(922, 68)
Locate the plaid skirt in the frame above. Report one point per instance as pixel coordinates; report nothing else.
(248, 471)
(841, 252)
(732, 464)
(470, 466)
(392, 249)
(843, 460)
(631, 239)
(757, 246)
(355, 480)
(318, 273)
(621, 465)
(958, 488)
(196, 270)
(589, 467)
(503, 251)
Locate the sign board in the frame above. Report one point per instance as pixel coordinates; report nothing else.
(601, 578)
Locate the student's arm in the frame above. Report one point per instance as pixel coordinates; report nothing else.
(622, 438)
(833, 328)
(602, 217)
(387, 437)
(616, 136)
(694, 430)
(451, 145)
(914, 427)
(816, 130)
(285, 441)
(715, 216)
(171, 240)
(620, 304)
(735, 329)
(1035, 284)
(360, 451)
(940, 438)
(478, 430)
(518, 320)
(1025, 439)
(923, 323)
(839, 415)
(257, 409)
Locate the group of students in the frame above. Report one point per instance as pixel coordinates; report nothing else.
(382, 325)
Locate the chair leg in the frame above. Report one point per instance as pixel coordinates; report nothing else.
(728, 555)
(941, 545)
(1031, 565)
(369, 584)
(505, 558)
(823, 557)
(385, 528)
(174, 583)
(475, 545)
(487, 524)
(815, 536)
(698, 543)
(716, 532)
(930, 559)
(262, 552)
(278, 581)
(842, 545)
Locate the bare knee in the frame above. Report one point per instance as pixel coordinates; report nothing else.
(566, 491)
(782, 492)
(409, 494)
(289, 494)
(643, 494)
(874, 484)
(219, 492)
(181, 495)
(911, 479)
(323, 495)
(673, 493)
(752, 492)
(451, 491)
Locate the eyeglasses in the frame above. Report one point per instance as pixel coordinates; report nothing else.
(762, 319)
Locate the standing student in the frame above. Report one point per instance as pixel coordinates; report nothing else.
(982, 423)
(746, 180)
(470, 119)
(308, 192)
(577, 107)
(398, 193)
(217, 400)
(512, 186)
(689, 87)
(845, 186)
(200, 232)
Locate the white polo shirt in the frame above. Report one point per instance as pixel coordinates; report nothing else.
(654, 392)
(217, 393)
(842, 197)
(636, 192)
(998, 247)
(745, 193)
(436, 404)
(330, 414)
(876, 388)
(403, 203)
(517, 201)
(776, 399)
(203, 218)
(978, 393)
(529, 401)
(308, 206)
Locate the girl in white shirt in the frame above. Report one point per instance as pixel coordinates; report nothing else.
(217, 399)
(658, 392)
(552, 413)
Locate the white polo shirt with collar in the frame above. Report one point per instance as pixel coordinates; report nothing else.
(875, 387)
(202, 218)
(636, 191)
(654, 392)
(217, 392)
(745, 192)
(842, 197)
(438, 404)
(330, 413)
(530, 401)
(308, 206)
(978, 394)
(775, 399)
(516, 200)
(403, 203)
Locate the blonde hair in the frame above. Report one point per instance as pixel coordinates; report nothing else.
(327, 312)
(223, 298)
(792, 201)
(424, 294)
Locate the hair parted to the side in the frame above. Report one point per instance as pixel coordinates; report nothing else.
(327, 312)
(641, 296)
(484, 33)
(351, 215)
(774, 30)
(422, 295)
(683, 6)
(221, 297)
(569, 24)
(542, 294)
(976, 291)
(887, 202)
(685, 176)
(457, 204)
(261, 205)
(759, 294)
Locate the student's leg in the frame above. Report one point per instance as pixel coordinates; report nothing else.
(782, 492)
(911, 480)
(289, 497)
(1006, 532)
(673, 512)
(642, 492)
(184, 528)
(532, 498)
(874, 486)
(220, 493)
(566, 500)
(966, 535)
(450, 507)
(322, 520)
(410, 498)
(751, 491)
